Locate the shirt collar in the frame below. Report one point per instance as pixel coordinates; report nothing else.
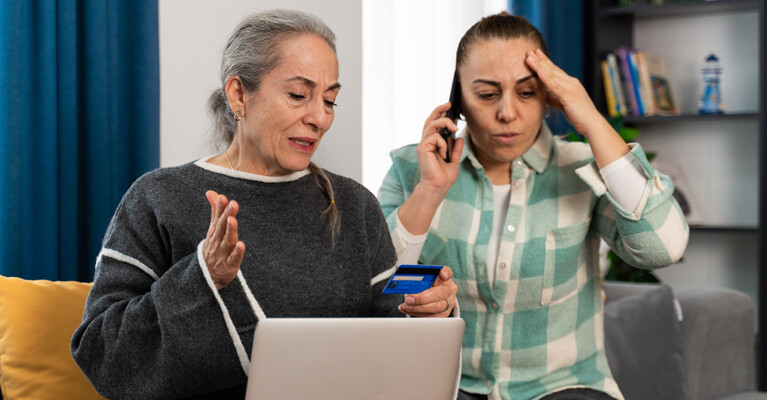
(537, 156)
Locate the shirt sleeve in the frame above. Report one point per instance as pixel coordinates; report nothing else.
(395, 189)
(145, 318)
(413, 244)
(625, 181)
(654, 233)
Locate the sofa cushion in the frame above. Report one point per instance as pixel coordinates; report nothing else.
(37, 320)
(643, 343)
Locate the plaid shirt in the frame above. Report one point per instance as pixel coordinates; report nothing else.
(538, 328)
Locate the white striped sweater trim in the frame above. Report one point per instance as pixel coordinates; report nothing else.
(251, 299)
(204, 164)
(126, 259)
(238, 346)
(383, 275)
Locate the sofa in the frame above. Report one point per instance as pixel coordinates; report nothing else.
(708, 355)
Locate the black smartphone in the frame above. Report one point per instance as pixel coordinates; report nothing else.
(453, 113)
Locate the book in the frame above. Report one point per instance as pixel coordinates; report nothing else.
(622, 54)
(634, 69)
(620, 98)
(612, 107)
(645, 84)
(661, 85)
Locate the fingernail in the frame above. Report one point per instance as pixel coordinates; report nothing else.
(409, 300)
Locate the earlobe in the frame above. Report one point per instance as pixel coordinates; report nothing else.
(235, 95)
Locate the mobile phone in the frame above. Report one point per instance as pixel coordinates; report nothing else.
(453, 113)
(412, 279)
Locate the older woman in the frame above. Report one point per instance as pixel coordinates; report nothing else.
(518, 214)
(181, 282)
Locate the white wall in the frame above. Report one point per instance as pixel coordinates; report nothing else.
(192, 36)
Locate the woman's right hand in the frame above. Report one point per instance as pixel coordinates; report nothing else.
(437, 174)
(222, 251)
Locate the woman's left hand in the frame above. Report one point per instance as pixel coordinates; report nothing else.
(566, 94)
(437, 301)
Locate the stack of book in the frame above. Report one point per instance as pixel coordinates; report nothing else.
(637, 83)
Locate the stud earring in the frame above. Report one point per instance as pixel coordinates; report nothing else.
(237, 116)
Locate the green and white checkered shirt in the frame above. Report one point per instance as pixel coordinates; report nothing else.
(538, 328)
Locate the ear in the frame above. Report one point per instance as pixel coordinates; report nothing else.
(235, 94)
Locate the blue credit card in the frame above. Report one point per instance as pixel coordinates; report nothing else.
(411, 279)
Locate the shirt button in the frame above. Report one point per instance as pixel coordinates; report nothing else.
(517, 183)
(495, 306)
(488, 383)
(518, 164)
(482, 267)
(511, 228)
(502, 265)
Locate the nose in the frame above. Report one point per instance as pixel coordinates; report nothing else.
(506, 112)
(317, 115)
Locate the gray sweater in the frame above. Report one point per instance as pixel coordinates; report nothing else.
(155, 327)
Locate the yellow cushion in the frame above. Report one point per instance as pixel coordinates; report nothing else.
(37, 320)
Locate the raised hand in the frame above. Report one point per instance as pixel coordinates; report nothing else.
(436, 173)
(565, 93)
(222, 250)
(568, 95)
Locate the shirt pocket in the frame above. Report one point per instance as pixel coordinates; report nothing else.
(562, 263)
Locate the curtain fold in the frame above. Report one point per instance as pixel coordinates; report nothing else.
(79, 122)
(562, 24)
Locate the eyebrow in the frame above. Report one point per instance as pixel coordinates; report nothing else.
(312, 84)
(498, 84)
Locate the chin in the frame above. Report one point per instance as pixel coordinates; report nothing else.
(296, 165)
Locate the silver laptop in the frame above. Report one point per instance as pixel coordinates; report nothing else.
(355, 358)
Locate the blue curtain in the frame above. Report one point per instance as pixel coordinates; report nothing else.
(79, 122)
(561, 23)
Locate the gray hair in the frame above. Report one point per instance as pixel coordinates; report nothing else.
(251, 52)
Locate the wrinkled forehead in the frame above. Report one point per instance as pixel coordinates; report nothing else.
(307, 56)
(497, 59)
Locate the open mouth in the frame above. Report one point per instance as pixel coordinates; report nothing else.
(303, 143)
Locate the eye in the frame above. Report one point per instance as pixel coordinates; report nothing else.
(330, 104)
(526, 94)
(296, 96)
(486, 96)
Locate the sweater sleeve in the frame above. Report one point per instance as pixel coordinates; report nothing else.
(653, 235)
(383, 262)
(151, 329)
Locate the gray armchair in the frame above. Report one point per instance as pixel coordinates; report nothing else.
(715, 338)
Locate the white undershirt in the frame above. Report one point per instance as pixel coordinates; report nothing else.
(624, 180)
(501, 197)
